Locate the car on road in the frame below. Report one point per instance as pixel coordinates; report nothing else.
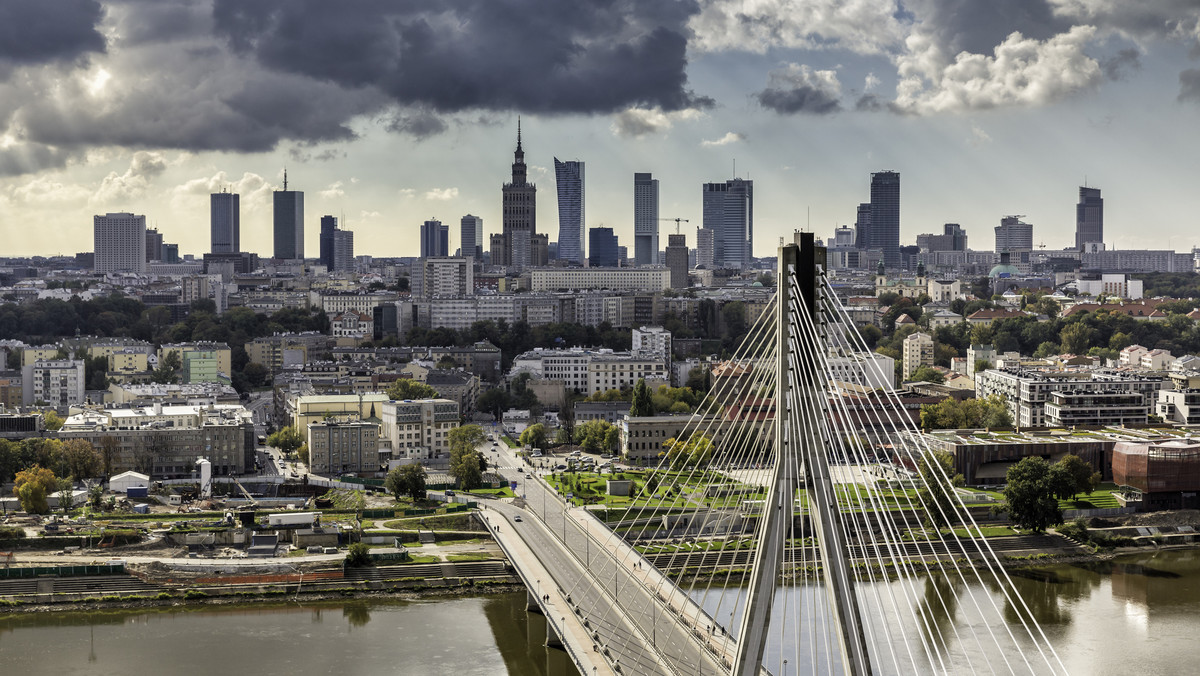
(449, 493)
(560, 467)
(537, 454)
(517, 518)
(520, 470)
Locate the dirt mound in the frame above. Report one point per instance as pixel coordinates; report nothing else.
(1182, 517)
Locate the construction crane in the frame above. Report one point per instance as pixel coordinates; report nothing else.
(677, 222)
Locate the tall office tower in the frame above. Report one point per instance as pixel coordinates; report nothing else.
(623, 259)
(645, 219)
(1089, 217)
(729, 213)
(569, 179)
(677, 260)
(885, 216)
(704, 248)
(1013, 235)
(289, 222)
(862, 226)
(328, 227)
(170, 253)
(519, 201)
(226, 222)
(602, 248)
(497, 245)
(119, 241)
(154, 245)
(435, 239)
(343, 251)
(471, 237)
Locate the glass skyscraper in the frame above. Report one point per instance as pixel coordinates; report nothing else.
(225, 214)
(885, 216)
(728, 210)
(569, 179)
(1089, 217)
(289, 222)
(645, 219)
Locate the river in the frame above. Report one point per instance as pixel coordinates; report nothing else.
(1136, 613)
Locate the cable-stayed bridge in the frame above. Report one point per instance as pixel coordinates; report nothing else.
(769, 540)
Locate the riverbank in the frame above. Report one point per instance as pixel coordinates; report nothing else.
(180, 599)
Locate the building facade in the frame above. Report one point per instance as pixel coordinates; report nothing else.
(519, 203)
(677, 260)
(569, 179)
(343, 446)
(1089, 218)
(885, 216)
(645, 219)
(119, 241)
(602, 248)
(435, 239)
(918, 352)
(225, 213)
(288, 215)
(471, 237)
(58, 383)
(728, 210)
(1013, 234)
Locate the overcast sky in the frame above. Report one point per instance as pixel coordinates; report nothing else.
(390, 112)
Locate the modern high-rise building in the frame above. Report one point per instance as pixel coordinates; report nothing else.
(1089, 217)
(569, 180)
(729, 213)
(843, 236)
(119, 241)
(337, 246)
(704, 248)
(328, 227)
(862, 226)
(953, 238)
(519, 201)
(435, 239)
(289, 223)
(602, 248)
(677, 260)
(225, 218)
(885, 216)
(471, 237)
(645, 219)
(154, 245)
(1014, 235)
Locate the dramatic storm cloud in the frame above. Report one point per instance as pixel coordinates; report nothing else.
(40, 31)
(541, 56)
(797, 88)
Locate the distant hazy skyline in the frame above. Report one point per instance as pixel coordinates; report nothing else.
(390, 114)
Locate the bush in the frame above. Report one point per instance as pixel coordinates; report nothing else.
(359, 555)
(11, 533)
(1077, 530)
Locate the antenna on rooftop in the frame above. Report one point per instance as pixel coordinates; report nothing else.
(285, 179)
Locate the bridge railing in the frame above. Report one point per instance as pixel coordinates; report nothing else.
(680, 614)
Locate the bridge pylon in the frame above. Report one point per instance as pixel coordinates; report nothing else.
(800, 402)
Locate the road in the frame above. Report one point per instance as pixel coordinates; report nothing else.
(583, 558)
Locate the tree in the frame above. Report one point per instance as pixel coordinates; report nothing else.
(1029, 496)
(95, 494)
(302, 454)
(1071, 476)
(52, 420)
(255, 373)
(642, 405)
(937, 490)
(494, 401)
(358, 555)
(168, 368)
(407, 480)
(32, 486)
(66, 494)
(407, 388)
(1077, 338)
(595, 435)
(562, 437)
(83, 462)
(286, 439)
(693, 451)
(950, 414)
(534, 436)
(466, 463)
(927, 374)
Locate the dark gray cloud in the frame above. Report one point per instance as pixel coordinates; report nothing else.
(977, 26)
(1118, 66)
(420, 124)
(542, 56)
(797, 88)
(42, 31)
(800, 99)
(869, 103)
(1189, 85)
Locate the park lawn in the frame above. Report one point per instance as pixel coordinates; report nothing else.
(504, 492)
(985, 531)
(1101, 498)
(420, 558)
(508, 441)
(469, 556)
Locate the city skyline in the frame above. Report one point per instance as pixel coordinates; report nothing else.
(806, 111)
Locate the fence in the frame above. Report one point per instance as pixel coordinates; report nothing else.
(1109, 511)
(63, 571)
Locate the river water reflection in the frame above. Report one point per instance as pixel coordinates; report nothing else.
(1137, 613)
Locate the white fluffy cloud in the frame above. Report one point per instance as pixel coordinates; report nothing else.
(254, 190)
(1021, 71)
(333, 191)
(441, 194)
(729, 137)
(117, 189)
(638, 122)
